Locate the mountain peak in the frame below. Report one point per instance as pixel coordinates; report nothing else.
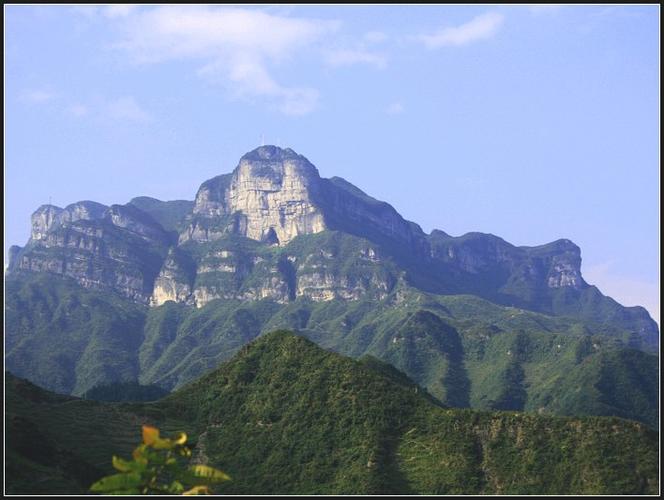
(274, 163)
(270, 196)
(271, 153)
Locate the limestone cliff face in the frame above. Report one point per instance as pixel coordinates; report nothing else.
(488, 257)
(273, 191)
(274, 229)
(48, 217)
(270, 194)
(175, 279)
(43, 219)
(336, 266)
(474, 252)
(275, 195)
(564, 266)
(118, 248)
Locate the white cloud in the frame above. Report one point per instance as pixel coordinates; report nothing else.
(358, 52)
(479, 28)
(37, 96)
(396, 108)
(349, 57)
(172, 32)
(248, 80)
(126, 108)
(238, 47)
(627, 291)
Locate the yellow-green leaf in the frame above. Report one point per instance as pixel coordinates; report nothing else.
(181, 439)
(198, 490)
(176, 487)
(151, 438)
(162, 444)
(121, 465)
(117, 482)
(209, 473)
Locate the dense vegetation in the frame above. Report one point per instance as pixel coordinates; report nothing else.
(466, 351)
(125, 391)
(285, 416)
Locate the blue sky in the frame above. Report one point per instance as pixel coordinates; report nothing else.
(531, 123)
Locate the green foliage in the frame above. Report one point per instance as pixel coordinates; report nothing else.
(125, 391)
(349, 428)
(157, 468)
(518, 454)
(61, 444)
(286, 417)
(70, 339)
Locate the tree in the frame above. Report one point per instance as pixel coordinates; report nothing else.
(157, 467)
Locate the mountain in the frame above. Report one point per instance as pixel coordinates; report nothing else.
(287, 417)
(161, 291)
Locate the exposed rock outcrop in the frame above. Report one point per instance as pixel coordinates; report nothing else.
(175, 279)
(261, 232)
(271, 194)
(48, 217)
(275, 195)
(119, 248)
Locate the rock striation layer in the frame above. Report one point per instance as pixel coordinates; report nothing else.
(271, 193)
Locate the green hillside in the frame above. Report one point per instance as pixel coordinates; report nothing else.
(285, 416)
(466, 351)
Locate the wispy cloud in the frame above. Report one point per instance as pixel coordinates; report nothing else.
(37, 96)
(238, 47)
(349, 57)
(481, 27)
(243, 50)
(361, 50)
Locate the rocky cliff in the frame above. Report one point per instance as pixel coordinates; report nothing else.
(119, 247)
(274, 229)
(271, 193)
